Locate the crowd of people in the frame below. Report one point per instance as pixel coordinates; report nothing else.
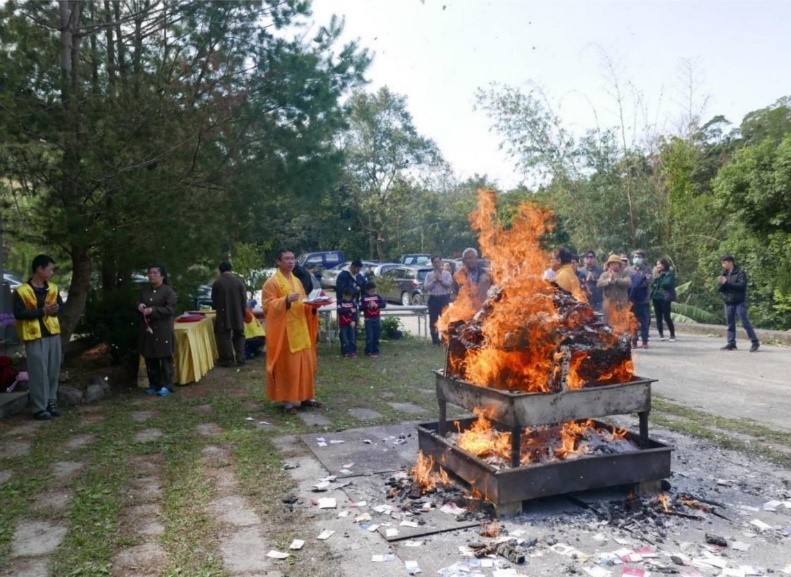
(619, 288)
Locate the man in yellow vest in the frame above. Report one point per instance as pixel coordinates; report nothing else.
(36, 306)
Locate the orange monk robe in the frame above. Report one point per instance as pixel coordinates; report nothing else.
(289, 375)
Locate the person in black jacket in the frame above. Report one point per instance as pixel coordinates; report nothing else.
(733, 289)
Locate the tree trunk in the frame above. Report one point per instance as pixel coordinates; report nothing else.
(78, 292)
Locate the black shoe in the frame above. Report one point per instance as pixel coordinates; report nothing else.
(728, 347)
(42, 416)
(754, 347)
(53, 411)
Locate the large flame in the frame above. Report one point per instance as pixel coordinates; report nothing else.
(425, 476)
(519, 331)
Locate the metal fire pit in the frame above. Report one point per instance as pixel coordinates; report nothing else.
(507, 488)
(517, 410)
(514, 411)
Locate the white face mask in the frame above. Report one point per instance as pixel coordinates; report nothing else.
(637, 261)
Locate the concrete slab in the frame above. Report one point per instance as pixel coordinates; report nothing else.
(12, 403)
(363, 414)
(15, 448)
(371, 449)
(34, 538)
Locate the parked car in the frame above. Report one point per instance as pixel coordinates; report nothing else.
(318, 262)
(379, 269)
(12, 280)
(404, 284)
(330, 276)
(416, 258)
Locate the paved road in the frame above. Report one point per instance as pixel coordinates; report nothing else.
(695, 372)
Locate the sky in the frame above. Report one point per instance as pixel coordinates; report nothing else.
(437, 53)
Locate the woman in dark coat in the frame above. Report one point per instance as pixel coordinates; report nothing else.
(663, 292)
(157, 343)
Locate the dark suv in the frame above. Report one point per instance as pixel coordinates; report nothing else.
(403, 284)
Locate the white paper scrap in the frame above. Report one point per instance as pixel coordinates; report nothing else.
(760, 524)
(391, 532)
(452, 509)
(323, 486)
(597, 571)
(383, 508)
(345, 471)
(362, 518)
(273, 554)
(321, 444)
(358, 504)
(411, 567)
(328, 479)
(408, 524)
(348, 465)
(740, 545)
(509, 572)
(411, 543)
(249, 419)
(344, 513)
(729, 572)
(367, 441)
(324, 535)
(296, 544)
(382, 558)
(336, 441)
(772, 505)
(373, 527)
(327, 503)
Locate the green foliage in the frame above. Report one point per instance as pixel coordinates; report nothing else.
(391, 328)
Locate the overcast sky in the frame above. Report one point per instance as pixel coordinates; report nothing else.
(438, 52)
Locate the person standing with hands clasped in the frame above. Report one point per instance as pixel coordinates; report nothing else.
(372, 303)
(157, 305)
(438, 286)
(36, 306)
(733, 289)
(291, 328)
(347, 324)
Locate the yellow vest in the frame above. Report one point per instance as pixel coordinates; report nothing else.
(29, 329)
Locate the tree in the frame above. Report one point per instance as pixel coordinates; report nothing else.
(161, 129)
(385, 160)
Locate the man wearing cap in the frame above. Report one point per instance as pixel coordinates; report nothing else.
(640, 296)
(614, 285)
(733, 289)
(590, 277)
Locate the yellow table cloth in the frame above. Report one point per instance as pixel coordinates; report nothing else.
(196, 350)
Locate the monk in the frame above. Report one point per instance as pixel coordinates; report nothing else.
(291, 328)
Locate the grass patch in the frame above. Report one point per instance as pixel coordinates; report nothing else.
(402, 374)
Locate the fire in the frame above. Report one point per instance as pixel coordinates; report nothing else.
(482, 440)
(490, 529)
(539, 444)
(664, 500)
(424, 475)
(570, 435)
(523, 331)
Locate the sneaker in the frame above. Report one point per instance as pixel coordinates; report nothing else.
(661, 338)
(151, 391)
(645, 345)
(754, 347)
(164, 392)
(42, 416)
(672, 339)
(728, 347)
(53, 411)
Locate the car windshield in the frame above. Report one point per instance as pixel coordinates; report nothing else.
(421, 274)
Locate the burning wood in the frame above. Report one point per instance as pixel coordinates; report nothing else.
(543, 444)
(529, 335)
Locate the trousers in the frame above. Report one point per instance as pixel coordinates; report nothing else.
(740, 310)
